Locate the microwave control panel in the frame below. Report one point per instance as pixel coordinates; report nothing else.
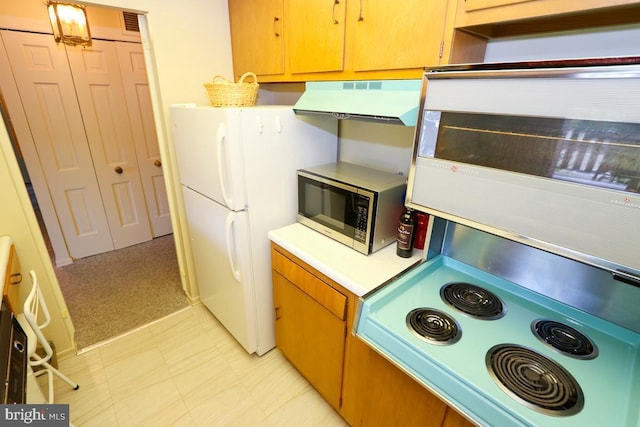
(362, 218)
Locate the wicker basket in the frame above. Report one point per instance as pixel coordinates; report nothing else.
(223, 93)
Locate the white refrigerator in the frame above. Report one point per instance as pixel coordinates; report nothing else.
(238, 173)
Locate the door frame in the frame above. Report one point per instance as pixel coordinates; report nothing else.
(176, 206)
(170, 169)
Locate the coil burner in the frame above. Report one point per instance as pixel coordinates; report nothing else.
(534, 380)
(564, 339)
(473, 300)
(434, 326)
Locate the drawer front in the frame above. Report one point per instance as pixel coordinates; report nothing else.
(320, 291)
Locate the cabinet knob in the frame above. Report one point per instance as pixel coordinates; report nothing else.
(118, 170)
(157, 163)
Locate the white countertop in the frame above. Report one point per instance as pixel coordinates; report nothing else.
(356, 272)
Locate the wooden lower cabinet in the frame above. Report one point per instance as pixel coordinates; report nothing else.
(377, 393)
(310, 337)
(310, 326)
(454, 419)
(314, 318)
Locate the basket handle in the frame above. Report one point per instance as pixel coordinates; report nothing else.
(248, 74)
(219, 78)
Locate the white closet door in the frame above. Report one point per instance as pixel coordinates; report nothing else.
(41, 73)
(136, 88)
(100, 92)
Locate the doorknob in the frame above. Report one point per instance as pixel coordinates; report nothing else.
(157, 163)
(118, 169)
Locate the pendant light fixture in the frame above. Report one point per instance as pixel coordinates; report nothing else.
(69, 23)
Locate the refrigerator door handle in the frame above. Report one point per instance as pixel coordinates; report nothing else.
(221, 139)
(231, 247)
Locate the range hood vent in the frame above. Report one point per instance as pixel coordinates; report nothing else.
(387, 101)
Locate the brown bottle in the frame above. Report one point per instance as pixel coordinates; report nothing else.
(406, 232)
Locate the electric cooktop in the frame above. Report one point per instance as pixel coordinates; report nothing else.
(502, 354)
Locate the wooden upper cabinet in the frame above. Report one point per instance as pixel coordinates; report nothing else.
(301, 40)
(396, 35)
(316, 35)
(487, 4)
(257, 37)
(504, 18)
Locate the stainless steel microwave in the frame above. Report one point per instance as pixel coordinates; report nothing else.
(355, 205)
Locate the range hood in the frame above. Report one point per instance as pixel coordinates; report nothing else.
(388, 101)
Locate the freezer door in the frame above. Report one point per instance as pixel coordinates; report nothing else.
(222, 258)
(208, 143)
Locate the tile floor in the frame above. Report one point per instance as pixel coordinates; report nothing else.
(186, 370)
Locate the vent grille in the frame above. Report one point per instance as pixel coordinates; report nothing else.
(362, 85)
(131, 21)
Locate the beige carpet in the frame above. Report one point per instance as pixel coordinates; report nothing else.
(113, 293)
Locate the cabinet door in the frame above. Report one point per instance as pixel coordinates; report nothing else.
(454, 419)
(550, 15)
(12, 281)
(397, 35)
(488, 4)
(316, 35)
(377, 393)
(257, 36)
(311, 337)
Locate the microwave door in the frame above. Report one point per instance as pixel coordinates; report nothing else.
(327, 208)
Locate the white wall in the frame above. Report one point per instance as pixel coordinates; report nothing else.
(279, 93)
(378, 145)
(190, 43)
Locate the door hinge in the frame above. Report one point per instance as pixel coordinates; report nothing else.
(277, 313)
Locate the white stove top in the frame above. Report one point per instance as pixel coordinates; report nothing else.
(610, 382)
